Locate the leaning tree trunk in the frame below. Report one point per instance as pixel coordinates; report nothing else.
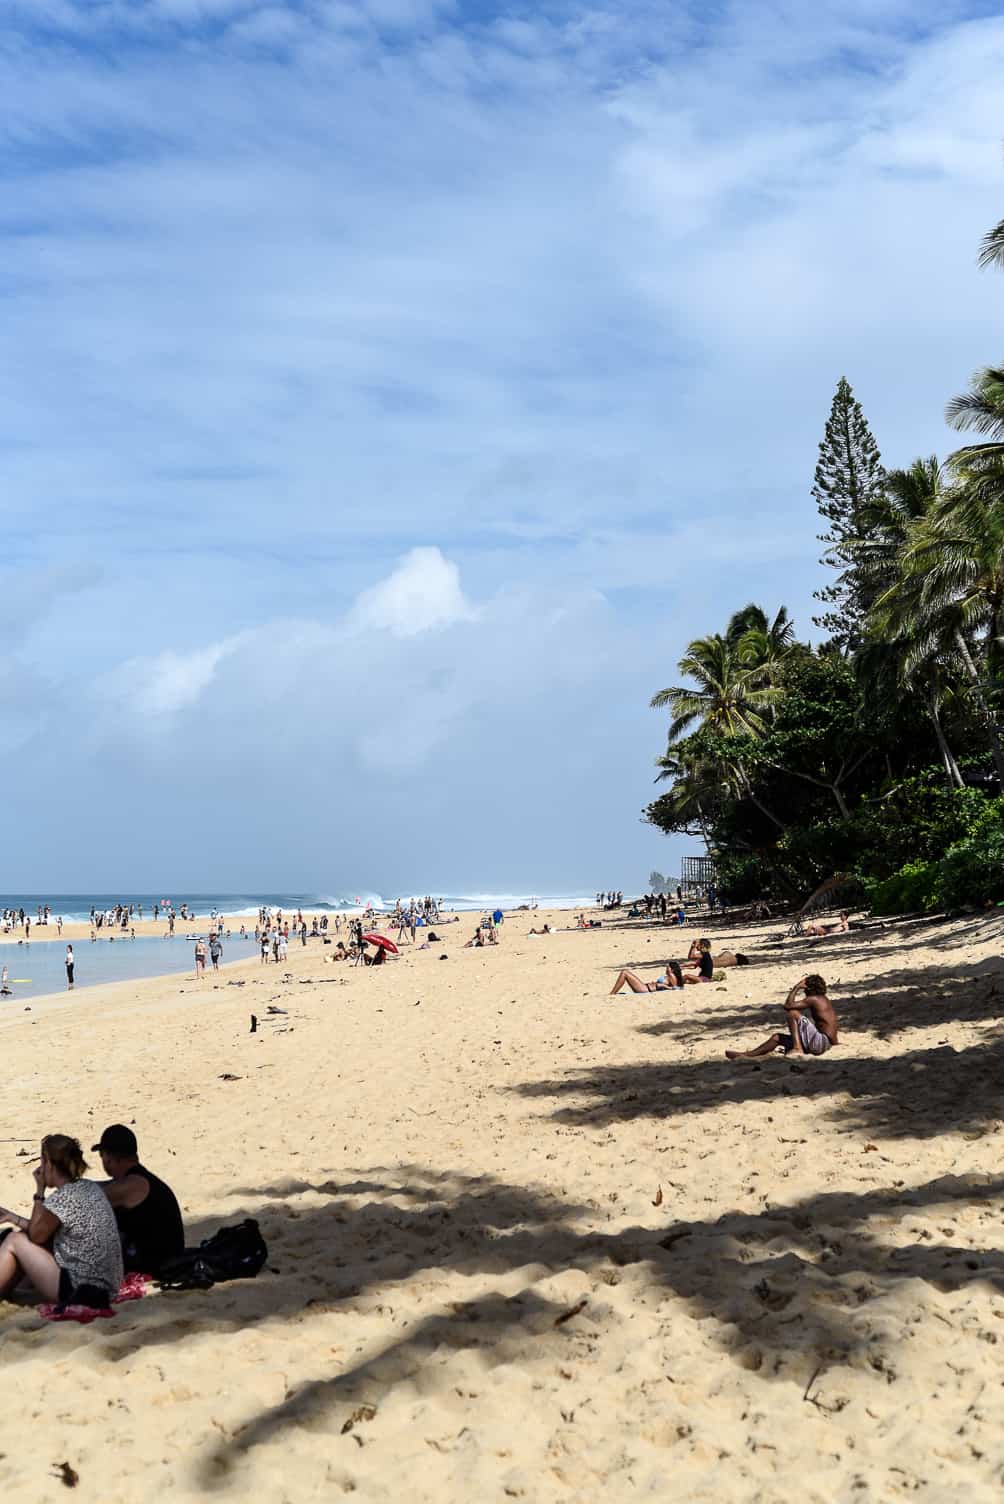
(996, 747)
(947, 756)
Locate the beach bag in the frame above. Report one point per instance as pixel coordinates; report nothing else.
(231, 1253)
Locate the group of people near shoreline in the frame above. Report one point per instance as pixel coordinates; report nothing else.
(82, 1236)
(12, 919)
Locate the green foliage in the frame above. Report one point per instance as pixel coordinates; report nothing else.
(874, 753)
(913, 887)
(849, 476)
(729, 695)
(918, 820)
(972, 873)
(992, 248)
(743, 877)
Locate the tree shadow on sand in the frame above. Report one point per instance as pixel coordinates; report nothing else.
(890, 938)
(782, 1291)
(788, 1288)
(914, 1094)
(887, 1004)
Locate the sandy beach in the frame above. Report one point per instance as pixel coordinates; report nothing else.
(530, 1241)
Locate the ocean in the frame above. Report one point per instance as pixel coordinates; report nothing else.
(36, 968)
(78, 905)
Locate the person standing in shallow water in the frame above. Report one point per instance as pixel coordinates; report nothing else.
(69, 967)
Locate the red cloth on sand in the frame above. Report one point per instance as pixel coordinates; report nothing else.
(133, 1287)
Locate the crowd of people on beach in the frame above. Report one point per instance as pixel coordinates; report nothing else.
(13, 919)
(82, 1237)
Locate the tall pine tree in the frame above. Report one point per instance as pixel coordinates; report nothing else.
(849, 479)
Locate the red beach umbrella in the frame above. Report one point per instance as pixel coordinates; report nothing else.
(383, 942)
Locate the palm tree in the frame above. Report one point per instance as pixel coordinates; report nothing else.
(992, 248)
(946, 603)
(728, 697)
(889, 662)
(980, 410)
(761, 644)
(754, 618)
(906, 496)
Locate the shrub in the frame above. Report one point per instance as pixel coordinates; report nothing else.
(971, 873)
(914, 886)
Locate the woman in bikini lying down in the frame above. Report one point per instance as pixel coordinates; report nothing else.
(673, 978)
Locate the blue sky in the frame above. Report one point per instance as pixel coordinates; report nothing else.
(391, 389)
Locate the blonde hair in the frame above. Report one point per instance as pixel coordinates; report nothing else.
(64, 1154)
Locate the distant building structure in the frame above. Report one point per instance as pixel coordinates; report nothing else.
(699, 872)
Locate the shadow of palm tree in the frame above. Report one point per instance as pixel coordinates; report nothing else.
(919, 1093)
(889, 1003)
(787, 1288)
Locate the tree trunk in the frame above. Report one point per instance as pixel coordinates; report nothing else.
(775, 866)
(996, 748)
(841, 801)
(747, 789)
(947, 756)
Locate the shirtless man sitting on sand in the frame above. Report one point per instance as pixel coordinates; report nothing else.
(805, 1036)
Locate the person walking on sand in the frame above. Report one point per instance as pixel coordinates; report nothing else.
(805, 1036)
(200, 959)
(69, 967)
(215, 949)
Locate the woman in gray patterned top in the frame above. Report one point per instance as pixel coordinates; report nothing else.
(84, 1266)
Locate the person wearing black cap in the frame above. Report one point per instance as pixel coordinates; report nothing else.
(146, 1210)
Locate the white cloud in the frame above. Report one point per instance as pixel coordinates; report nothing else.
(168, 682)
(421, 595)
(557, 301)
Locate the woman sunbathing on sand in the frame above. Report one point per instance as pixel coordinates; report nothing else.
(674, 978)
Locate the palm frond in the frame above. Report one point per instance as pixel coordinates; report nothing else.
(982, 408)
(992, 247)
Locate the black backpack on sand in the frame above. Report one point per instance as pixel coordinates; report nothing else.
(232, 1253)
